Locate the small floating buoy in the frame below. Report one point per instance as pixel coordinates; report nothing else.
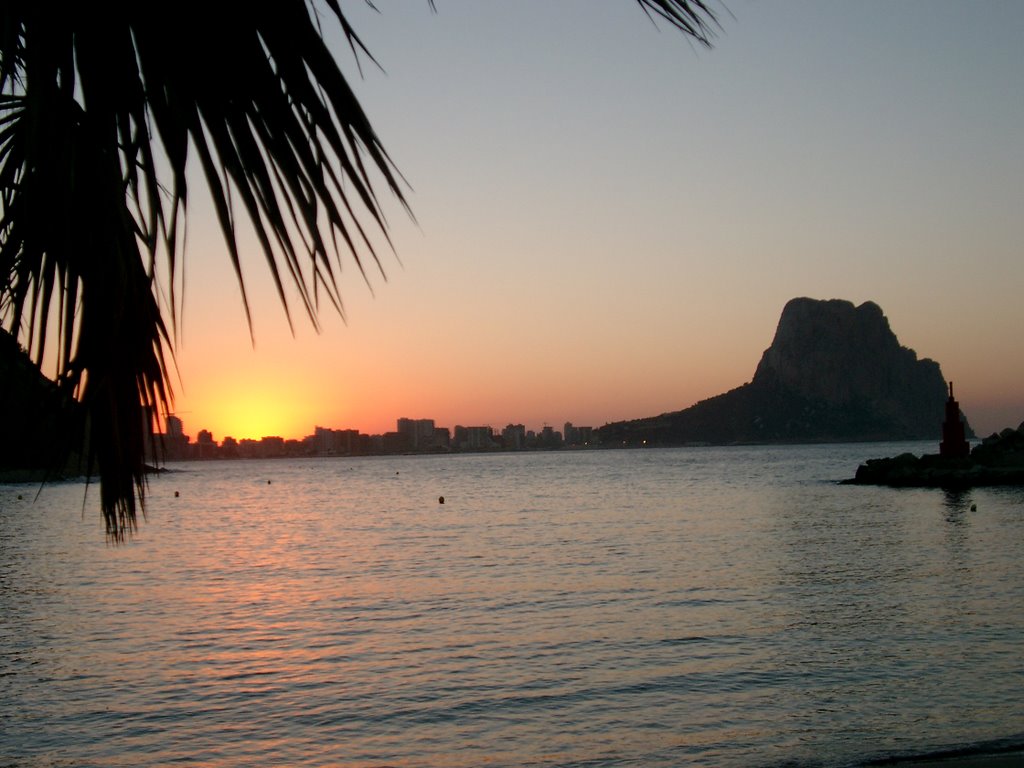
(440, 499)
(175, 494)
(268, 482)
(19, 497)
(974, 507)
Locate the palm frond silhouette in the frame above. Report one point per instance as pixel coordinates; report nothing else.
(102, 111)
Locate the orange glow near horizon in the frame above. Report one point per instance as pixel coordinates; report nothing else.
(265, 409)
(252, 415)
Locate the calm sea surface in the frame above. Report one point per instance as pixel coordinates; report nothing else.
(706, 606)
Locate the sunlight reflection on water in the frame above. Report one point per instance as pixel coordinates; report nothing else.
(700, 606)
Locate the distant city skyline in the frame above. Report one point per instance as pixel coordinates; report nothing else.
(409, 436)
(177, 427)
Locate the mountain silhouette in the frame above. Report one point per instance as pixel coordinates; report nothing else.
(834, 372)
(40, 421)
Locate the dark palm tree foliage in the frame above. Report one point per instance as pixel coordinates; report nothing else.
(102, 108)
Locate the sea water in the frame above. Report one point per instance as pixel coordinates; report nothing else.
(703, 606)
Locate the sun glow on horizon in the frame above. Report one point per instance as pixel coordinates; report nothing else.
(254, 414)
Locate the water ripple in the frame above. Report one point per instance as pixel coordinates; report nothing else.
(726, 607)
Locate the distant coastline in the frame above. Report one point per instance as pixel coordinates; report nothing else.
(835, 373)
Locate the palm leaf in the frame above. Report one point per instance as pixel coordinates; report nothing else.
(100, 108)
(693, 17)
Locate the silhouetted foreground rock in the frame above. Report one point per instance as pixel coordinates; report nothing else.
(997, 460)
(833, 373)
(39, 420)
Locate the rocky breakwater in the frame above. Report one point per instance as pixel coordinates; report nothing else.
(996, 460)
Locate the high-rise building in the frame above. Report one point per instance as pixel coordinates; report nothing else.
(174, 426)
(514, 437)
(577, 435)
(419, 433)
(173, 444)
(479, 439)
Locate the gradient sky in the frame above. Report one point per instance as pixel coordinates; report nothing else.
(609, 218)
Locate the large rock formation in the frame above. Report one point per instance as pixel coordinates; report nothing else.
(834, 372)
(40, 423)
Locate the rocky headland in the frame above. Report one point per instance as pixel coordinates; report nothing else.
(834, 372)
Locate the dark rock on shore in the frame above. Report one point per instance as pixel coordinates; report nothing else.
(833, 373)
(997, 460)
(41, 421)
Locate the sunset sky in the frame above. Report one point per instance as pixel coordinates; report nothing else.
(609, 218)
